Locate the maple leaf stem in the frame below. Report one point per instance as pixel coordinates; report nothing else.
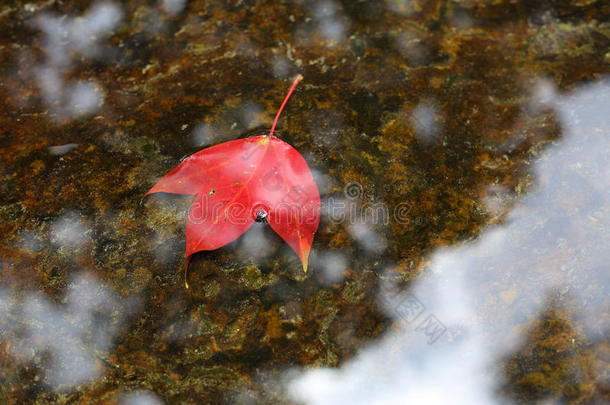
(279, 112)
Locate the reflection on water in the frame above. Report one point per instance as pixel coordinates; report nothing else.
(331, 266)
(173, 7)
(461, 152)
(546, 260)
(69, 231)
(425, 122)
(67, 39)
(140, 397)
(69, 341)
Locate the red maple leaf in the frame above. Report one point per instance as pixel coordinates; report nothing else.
(237, 182)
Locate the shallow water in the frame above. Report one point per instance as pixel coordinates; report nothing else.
(462, 151)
